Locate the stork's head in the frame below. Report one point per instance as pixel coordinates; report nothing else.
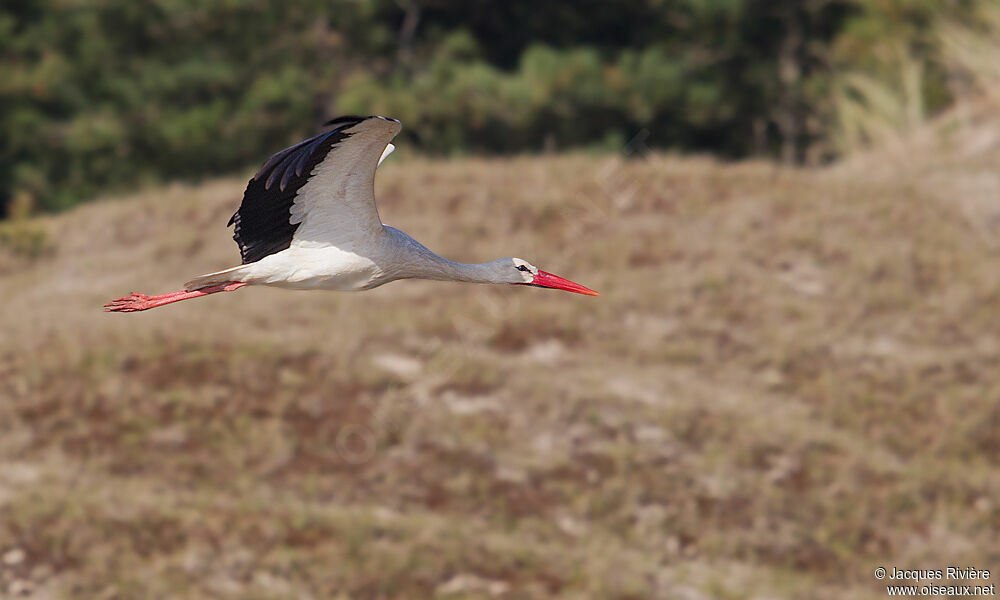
(520, 272)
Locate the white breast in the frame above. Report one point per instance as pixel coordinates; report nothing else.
(313, 268)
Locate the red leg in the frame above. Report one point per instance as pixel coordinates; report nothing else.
(136, 301)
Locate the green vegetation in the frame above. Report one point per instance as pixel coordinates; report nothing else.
(95, 94)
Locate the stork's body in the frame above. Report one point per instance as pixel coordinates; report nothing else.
(387, 256)
(308, 221)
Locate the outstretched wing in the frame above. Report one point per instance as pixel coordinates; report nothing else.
(319, 190)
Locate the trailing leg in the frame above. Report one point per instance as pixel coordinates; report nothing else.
(134, 302)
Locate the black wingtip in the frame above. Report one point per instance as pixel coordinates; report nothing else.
(345, 120)
(354, 120)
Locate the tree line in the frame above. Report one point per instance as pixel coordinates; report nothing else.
(99, 94)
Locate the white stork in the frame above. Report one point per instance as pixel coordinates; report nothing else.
(308, 221)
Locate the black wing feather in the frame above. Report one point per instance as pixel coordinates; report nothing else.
(263, 222)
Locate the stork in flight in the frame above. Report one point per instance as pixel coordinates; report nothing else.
(308, 221)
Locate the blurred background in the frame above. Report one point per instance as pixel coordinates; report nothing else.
(791, 210)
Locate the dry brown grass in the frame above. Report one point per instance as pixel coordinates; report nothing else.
(790, 379)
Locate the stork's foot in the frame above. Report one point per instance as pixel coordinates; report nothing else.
(133, 302)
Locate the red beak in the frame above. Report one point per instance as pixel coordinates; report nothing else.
(543, 279)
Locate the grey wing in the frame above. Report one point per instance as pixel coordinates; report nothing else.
(337, 204)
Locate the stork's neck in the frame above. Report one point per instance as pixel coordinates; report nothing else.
(415, 261)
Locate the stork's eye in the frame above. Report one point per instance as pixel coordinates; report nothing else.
(523, 268)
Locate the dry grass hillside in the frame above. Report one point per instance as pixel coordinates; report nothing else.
(790, 378)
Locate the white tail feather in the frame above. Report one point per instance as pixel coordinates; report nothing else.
(225, 276)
